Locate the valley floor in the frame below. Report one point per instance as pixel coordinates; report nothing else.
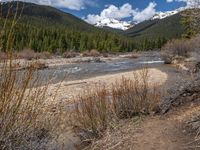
(154, 132)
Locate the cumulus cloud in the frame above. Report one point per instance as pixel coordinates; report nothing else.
(145, 14)
(112, 12)
(70, 4)
(122, 12)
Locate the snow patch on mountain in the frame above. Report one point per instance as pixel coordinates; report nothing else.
(124, 25)
(162, 15)
(114, 23)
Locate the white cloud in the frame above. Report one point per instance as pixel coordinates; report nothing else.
(70, 4)
(112, 12)
(145, 14)
(122, 12)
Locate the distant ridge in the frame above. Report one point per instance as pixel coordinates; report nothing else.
(45, 28)
(168, 27)
(48, 14)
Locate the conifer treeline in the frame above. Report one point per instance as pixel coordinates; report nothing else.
(55, 39)
(59, 39)
(43, 28)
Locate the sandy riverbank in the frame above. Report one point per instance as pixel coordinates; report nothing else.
(67, 91)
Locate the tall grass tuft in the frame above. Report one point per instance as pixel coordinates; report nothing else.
(91, 113)
(98, 108)
(132, 97)
(20, 107)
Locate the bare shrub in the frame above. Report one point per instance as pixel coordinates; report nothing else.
(92, 112)
(92, 53)
(30, 55)
(177, 49)
(27, 54)
(43, 55)
(134, 97)
(70, 54)
(181, 49)
(21, 110)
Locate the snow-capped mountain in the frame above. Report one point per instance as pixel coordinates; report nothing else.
(162, 15)
(114, 23)
(124, 25)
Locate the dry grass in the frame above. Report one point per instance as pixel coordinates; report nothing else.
(30, 55)
(22, 110)
(92, 112)
(25, 120)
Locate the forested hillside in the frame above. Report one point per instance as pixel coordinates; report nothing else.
(43, 28)
(150, 32)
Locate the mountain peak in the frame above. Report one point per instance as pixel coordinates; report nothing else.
(162, 15)
(114, 23)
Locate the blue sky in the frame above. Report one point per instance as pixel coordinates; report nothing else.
(162, 5)
(93, 11)
(136, 11)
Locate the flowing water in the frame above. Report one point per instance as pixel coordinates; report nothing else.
(80, 71)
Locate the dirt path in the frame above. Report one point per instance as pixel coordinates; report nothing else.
(151, 133)
(165, 133)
